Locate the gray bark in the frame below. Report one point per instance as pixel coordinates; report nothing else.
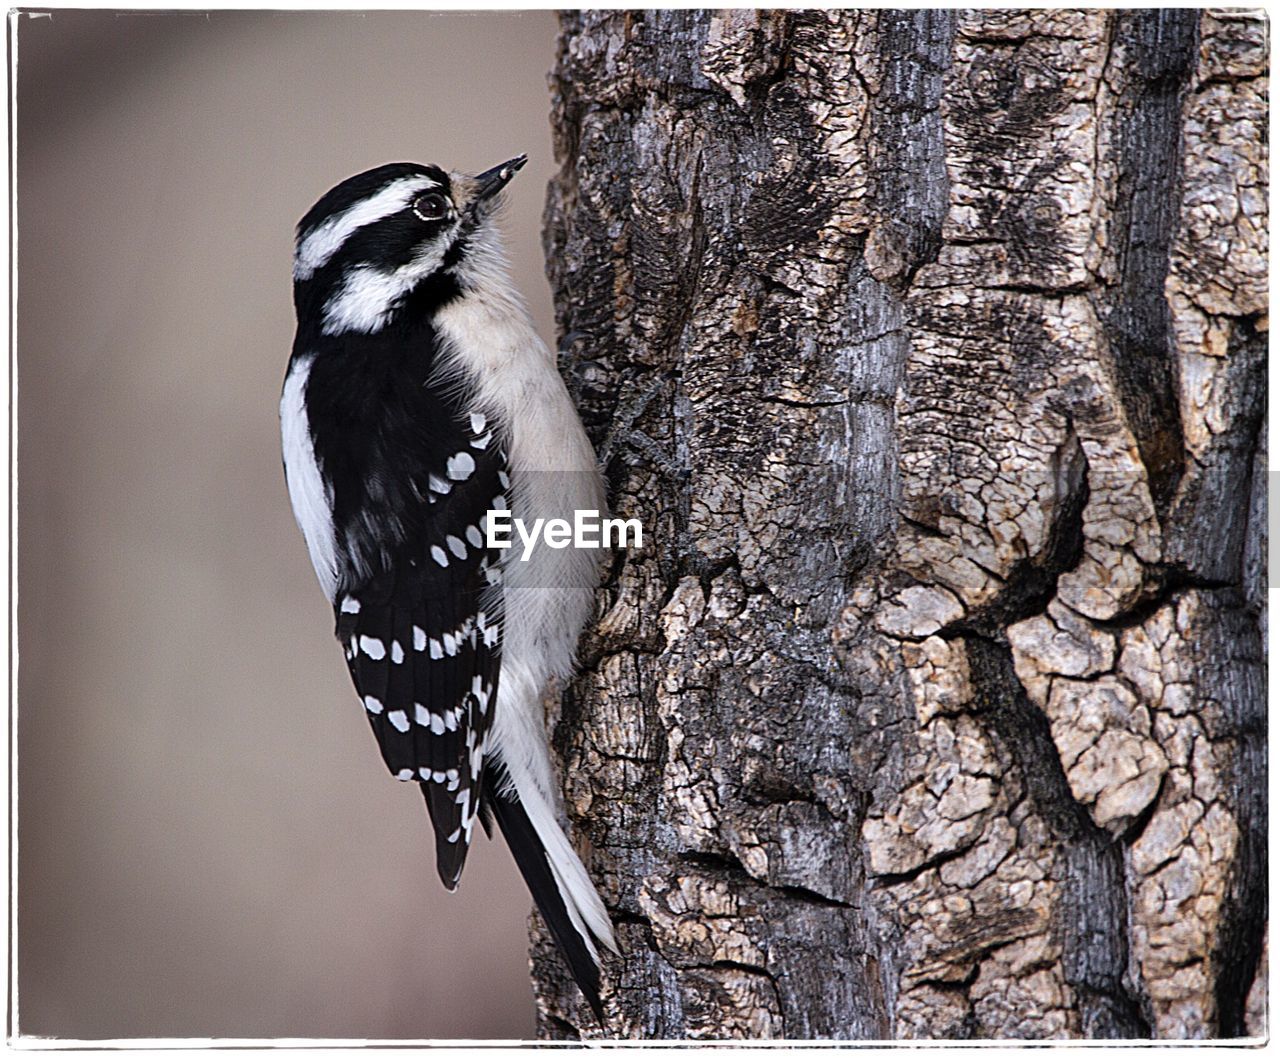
(929, 348)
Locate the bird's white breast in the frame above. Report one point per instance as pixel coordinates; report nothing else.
(312, 505)
(492, 346)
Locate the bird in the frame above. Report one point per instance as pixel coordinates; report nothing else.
(418, 398)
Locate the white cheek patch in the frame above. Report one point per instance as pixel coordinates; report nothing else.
(321, 244)
(368, 296)
(364, 301)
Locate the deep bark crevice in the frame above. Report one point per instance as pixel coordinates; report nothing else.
(1160, 49)
(1094, 916)
(1243, 937)
(1240, 941)
(1031, 583)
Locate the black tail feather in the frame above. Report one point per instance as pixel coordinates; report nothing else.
(531, 858)
(451, 856)
(486, 817)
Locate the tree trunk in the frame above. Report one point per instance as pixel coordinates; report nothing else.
(929, 348)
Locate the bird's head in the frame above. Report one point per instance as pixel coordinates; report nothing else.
(391, 239)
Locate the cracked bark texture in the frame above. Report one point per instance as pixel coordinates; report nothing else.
(929, 348)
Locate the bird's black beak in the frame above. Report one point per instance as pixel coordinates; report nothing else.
(491, 181)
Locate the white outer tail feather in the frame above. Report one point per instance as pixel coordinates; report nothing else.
(520, 743)
(586, 911)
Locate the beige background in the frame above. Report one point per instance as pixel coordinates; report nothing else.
(209, 844)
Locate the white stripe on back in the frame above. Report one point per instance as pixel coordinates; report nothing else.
(312, 505)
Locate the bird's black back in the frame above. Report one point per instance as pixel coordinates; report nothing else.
(423, 644)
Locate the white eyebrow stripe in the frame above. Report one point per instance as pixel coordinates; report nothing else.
(316, 249)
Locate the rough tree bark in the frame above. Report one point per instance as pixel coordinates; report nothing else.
(929, 347)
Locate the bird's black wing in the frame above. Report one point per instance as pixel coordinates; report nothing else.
(423, 639)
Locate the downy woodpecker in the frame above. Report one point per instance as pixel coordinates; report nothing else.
(418, 398)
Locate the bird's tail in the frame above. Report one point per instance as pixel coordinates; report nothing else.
(561, 888)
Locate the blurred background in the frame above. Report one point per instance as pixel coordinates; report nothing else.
(209, 844)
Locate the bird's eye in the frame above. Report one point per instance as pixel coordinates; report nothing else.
(431, 206)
